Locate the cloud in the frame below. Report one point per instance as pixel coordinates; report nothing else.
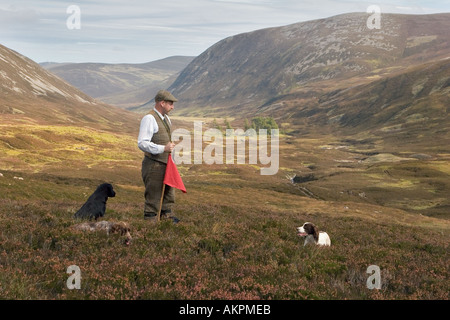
(18, 17)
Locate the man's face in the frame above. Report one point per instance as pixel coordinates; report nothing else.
(167, 106)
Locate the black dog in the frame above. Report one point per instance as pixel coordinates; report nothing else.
(95, 206)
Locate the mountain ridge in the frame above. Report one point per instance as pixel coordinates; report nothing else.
(31, 94)
(122, 84)
(249, 69)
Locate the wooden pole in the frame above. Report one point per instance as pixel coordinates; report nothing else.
(161, 201)
(164, 185)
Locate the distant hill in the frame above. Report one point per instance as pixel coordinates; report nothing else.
(122, 85)
(248, 71)
(31, 94)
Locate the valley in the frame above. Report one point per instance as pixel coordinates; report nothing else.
(362, 153)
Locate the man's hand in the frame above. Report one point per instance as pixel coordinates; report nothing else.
(169, 147)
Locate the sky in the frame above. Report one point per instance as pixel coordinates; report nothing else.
(139, 31)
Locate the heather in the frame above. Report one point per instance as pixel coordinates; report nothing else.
(220, 250)
(237, 236)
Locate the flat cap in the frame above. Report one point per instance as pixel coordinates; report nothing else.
(164, 95)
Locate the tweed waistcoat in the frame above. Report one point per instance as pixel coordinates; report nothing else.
(162, 137)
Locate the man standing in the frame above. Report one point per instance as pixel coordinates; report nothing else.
(155, 141)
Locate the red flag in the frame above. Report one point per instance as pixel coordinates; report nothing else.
(172, 176)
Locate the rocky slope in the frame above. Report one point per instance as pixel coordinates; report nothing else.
(248, 71)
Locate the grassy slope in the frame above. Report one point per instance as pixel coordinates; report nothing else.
(237, 239)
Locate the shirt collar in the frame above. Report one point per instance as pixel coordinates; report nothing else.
(161, 116)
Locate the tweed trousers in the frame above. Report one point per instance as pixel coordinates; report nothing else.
(153, 176)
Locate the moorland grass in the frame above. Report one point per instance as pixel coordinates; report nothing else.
(237, 237)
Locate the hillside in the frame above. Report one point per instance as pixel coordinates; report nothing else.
(380, 195)
(48, 125)
(122, 85)
(236, 239)
(248, 71)
(376, 101)
(29, 93)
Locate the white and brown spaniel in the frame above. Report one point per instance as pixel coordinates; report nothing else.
(121, 228)
(313, 235)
